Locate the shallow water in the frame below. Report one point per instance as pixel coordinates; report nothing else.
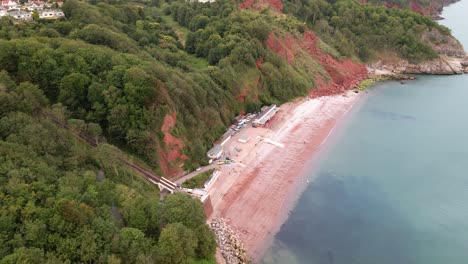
(392, 185)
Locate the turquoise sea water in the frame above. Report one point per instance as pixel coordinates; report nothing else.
(391, 186)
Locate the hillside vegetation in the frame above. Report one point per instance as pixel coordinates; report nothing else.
(63, 202)
(125, 66)
(366, 30)
(161, 80)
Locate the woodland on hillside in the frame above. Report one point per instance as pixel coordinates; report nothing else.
(125, 65)
(114, 70)
(64, 202)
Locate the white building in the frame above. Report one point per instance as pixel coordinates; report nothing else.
(215, 152)
(51, 14)
(3, 12)
(225, 137)
(266, 114)
(243, 139)
(20, 15)
(10, 4)
(34, 5)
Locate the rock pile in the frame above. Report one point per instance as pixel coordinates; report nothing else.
(229, 243)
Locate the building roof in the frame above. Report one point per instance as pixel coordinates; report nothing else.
(215, 150)
(9, 2)
(19, 13)
(266, 114)
(225, 137)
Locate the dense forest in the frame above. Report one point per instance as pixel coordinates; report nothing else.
(64, 202)
(115, 70)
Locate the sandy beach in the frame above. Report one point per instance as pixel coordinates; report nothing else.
(256, 193)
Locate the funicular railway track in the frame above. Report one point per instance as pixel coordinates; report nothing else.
(148, 175)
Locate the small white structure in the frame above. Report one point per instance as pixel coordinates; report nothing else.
(51, 14)
(215, 152)
(225, 138)
(25, 12)
(3, 12)
(20, 15)
(199, 193)
(243, 139)
(10, 4)
(33, 6)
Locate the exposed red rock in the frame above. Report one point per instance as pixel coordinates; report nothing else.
(259, 63)
(276, 5)
(416, 7)
(344, 75)
(171, 156)
(169, 122)
(247, 4)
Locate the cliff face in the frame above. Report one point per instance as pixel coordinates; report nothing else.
(451, 53)
(331, 75)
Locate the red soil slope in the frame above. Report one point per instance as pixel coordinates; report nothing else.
(344, 75)
(171, 157)
(276, 5)
(416, 7)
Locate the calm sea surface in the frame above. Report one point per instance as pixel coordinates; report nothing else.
(391, 186)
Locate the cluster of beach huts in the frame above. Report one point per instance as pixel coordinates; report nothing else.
(260, 119)
(45, 10)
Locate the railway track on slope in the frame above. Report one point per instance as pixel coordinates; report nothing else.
(147, 174)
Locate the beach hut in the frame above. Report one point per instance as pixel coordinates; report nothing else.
(266, 114)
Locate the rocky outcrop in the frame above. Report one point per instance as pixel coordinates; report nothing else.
(452, 58)
(436, 8)
(443, 44)
(446, 66)
(441, 66)
(232, 249)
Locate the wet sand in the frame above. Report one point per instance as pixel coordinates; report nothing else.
(256, 194)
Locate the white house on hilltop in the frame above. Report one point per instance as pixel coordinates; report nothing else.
(25, 12)
(3, 11)
(51, 13)
(34, 5)
(10, 4)
(20, 15)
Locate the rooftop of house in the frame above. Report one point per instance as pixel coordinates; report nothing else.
(225, 136)
(215, 150)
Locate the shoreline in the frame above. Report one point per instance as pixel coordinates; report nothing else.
(256, 194)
